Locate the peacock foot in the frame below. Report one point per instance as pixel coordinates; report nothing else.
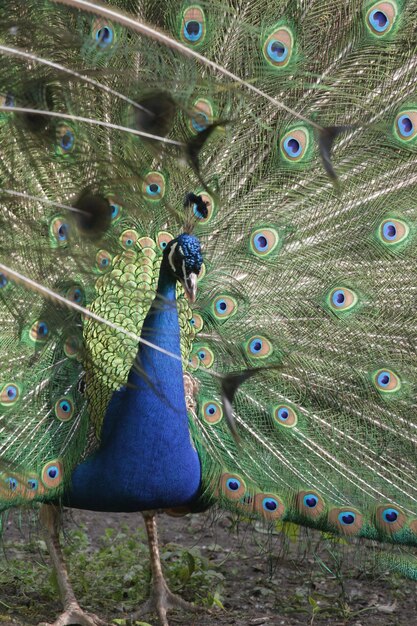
(75, 615)
(161, 601)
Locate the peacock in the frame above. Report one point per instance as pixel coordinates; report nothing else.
(208, 266)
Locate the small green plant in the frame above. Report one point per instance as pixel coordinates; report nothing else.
(112, 579)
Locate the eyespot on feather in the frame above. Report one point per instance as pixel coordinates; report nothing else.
(65, 139)
(115, 210)
(310, 504)
(258, 347)
(9, 394)
(405, 126)
(285, 415)
(212, 412)
(201, 116)
(75, 294)
(386, 381)
(59, 231)
(294, 144)
(103, 261)
(341, 300)
(209, 205)
(128, 239)
(380, 18)
(346, 520)
(163, 239)
(52, 474)
(393, 231)
(278, 47)
(232, 486)
(72, 347)
(263, 241)
(204, 355)
(153, 186)
(224, 307)
(197, 322)
(103, 34)
(32, 487)
(269, 505)
(193, 26)
(39, 331)
(389, 518)
(64, 409)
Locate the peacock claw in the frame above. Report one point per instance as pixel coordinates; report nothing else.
(75, 615)
(161, 601)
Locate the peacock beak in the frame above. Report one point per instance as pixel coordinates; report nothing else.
(190, 286)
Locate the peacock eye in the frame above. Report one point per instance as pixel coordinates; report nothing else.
(232, 486)
(103, 260)
(200, 121)
(224, 307)
(9, 394)
(269, 504)
(128, 239)
(263, 241)
(278, 47)
(406, 125)
(64, 409)
(259, 347)
(153, 186)
(212, 412)
(39, 331)
(193, 28)
(390, 515)
(347, 518)
(294, 144)
(75, 294)
(393, 231)
(103, 34)
(11, 483)
(348, 521)
(65, 135)
(209, 206)
(380, 18)
(277, 51)
(284, 415)
(205, 356)
(59, 230)
(197, 322)
(310, 500)
(342, 299)
(52, 474)
(32, 484)
(390, 518)
(115, 211)
(310, 504)
(386, 381)
(72, 347)
(153, 189)
(163, 239)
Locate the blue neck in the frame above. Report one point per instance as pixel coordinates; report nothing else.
(146, 459)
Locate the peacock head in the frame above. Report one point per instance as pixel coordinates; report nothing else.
(184, 259)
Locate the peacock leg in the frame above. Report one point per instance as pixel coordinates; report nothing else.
(161, 597)
(73, 614)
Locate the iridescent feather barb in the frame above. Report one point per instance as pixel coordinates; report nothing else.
(305, 298)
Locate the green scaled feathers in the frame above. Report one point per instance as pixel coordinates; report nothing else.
(313, 286)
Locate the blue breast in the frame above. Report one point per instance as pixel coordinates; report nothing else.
(146, 459)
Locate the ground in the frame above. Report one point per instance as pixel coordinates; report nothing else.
(225, 567)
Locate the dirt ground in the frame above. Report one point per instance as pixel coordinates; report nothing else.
(300, 584)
